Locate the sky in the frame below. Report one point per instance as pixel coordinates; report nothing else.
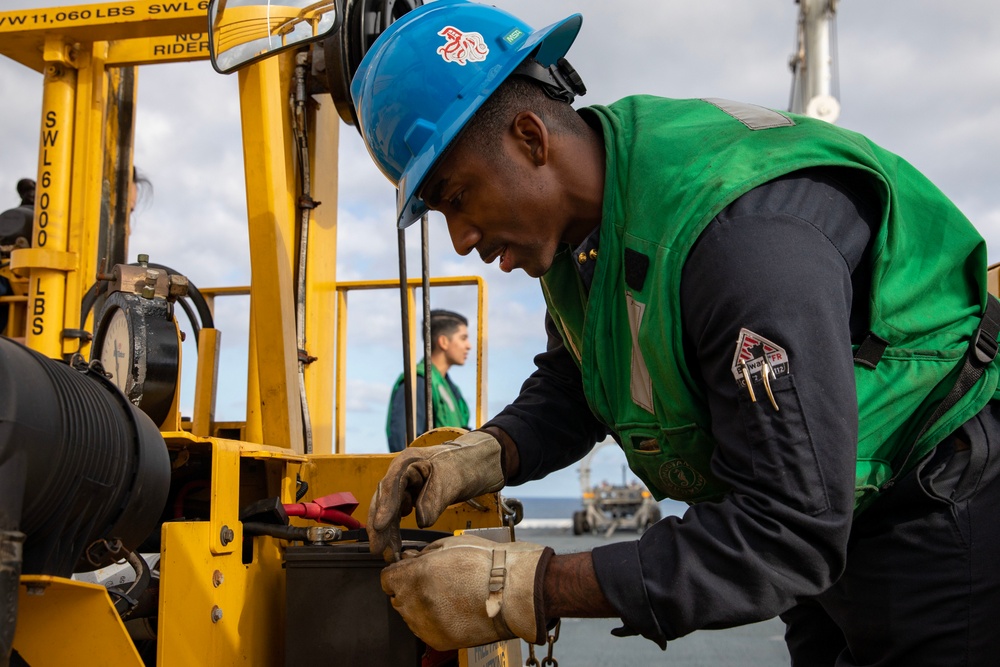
(919, 77)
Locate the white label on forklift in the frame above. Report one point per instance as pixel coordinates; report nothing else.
(498, 654)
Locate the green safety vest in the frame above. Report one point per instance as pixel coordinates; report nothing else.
(672, 166)
(449, 406)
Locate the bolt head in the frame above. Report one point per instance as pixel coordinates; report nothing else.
(178, 286)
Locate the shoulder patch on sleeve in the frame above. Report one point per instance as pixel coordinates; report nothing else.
(752, 352)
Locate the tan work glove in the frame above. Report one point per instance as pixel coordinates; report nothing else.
(429, 479)
(467, 591)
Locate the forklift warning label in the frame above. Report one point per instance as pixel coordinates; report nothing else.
(193, 44)
(92, 14)
(497, 654)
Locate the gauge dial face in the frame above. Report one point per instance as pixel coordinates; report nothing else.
(116, 350)
(138, 344)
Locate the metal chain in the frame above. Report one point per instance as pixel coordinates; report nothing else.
(78, 363)
(98, 551)
(512, 509)
(548, 660)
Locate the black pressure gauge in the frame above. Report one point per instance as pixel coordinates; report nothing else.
(138, 343)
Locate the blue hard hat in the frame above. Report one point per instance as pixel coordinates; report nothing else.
(428, 73)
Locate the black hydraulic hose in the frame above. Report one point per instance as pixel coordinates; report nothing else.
(200, 304)
(89, 299)
(290, 533)
(306, 204)
(204, 312)
(195, 329)
(404, 307)
(129, 598)
(425, 281)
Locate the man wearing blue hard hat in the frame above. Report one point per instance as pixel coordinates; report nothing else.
(779, 322)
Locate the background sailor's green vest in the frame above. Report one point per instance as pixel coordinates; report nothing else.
(449, 409)
(672, 166)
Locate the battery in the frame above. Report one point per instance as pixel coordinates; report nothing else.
(336, 612)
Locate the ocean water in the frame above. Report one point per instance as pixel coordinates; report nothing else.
(587, 642)
(558, 512)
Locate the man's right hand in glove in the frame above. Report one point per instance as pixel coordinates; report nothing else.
(429, 479)
(467, 591)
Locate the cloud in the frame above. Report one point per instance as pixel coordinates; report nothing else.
(368, 397)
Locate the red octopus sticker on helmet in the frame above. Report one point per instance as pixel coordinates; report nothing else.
(462, 47)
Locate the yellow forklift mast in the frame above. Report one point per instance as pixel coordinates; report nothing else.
(230, 543)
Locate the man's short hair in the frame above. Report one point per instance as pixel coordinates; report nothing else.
(517, 94)
(445, 323)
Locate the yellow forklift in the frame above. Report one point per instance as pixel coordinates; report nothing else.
(131, 534)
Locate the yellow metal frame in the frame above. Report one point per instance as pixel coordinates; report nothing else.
(321, 277)
(23, 32)
(214, 608)
(85, 616)
(343, 288)
(267, 138)
(17, 302)
(47, 274)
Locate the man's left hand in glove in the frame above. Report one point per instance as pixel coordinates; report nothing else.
(467, 591)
